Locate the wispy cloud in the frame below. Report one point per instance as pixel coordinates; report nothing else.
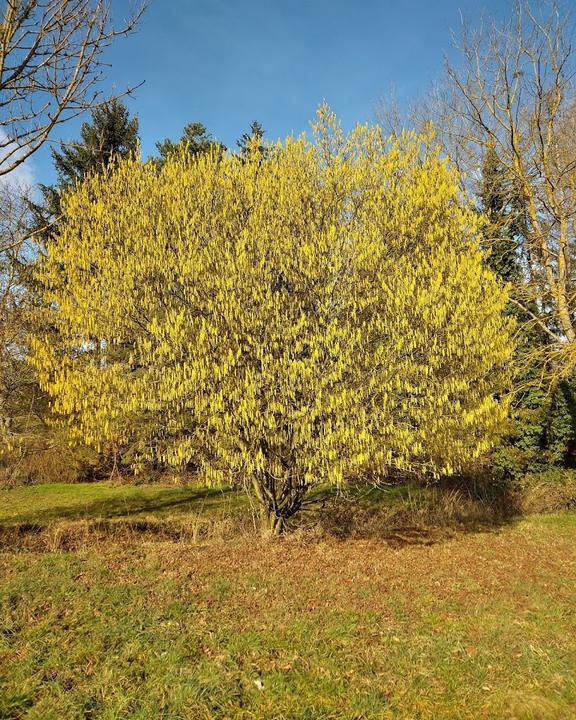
(23, 175)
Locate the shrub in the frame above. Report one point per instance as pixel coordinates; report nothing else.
(282, 322)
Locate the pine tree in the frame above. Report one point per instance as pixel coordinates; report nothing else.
(195, 139)
(542, 421)
(251, 143)
(110, 134)
(497, 205)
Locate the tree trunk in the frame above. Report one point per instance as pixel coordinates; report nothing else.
(270, 522)
(277, 503)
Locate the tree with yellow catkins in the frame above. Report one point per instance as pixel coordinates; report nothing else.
(292, 322)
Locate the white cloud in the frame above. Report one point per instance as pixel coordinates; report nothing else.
(23, 175)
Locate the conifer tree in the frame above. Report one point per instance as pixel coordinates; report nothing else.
(195, 139)
(252, 143)
(111, 134)
(496, 202)
(542, 428)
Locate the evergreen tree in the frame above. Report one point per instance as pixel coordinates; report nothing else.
(111, 133)
(252, 143)
(195, 139)
(543, 426)
(498, 207)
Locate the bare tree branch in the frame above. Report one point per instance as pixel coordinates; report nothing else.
(51, 60)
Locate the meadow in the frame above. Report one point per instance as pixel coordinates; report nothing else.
(474, 622)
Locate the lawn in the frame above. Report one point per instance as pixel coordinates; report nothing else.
(482, 625)
(43, 504)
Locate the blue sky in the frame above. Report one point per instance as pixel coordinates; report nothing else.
(227, 62)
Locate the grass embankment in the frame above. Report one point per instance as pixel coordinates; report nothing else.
(58, 515)
(479, 626)
(65, 516)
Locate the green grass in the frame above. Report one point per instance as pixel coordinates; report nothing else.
(481, 626)
(43, 504)
(177, 509)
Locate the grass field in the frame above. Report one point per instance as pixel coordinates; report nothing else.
(482, 625)
(43, 504)
(47, 503)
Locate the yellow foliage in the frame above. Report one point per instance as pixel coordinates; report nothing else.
(292, 320)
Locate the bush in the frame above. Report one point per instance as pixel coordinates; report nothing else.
(282, 322)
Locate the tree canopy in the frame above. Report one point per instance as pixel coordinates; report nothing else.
(308, 319)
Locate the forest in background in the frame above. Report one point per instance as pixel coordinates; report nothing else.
(504, 116)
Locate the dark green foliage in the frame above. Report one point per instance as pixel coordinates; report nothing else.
(251, 143)
(110, 134)
(543, 418)
(500, 236)
(195, 140)
(542, 430)
(560, 435)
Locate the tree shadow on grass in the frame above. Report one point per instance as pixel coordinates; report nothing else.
(165, 502)
(405, 513)
(420, 513)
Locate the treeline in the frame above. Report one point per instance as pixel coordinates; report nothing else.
(348, 307)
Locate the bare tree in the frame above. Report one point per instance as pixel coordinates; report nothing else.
(52, 56)
(51, 61)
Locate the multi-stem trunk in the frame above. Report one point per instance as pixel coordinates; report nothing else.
(278, 498)
(271, 523)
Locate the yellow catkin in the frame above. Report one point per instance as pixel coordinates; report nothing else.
(310, 316)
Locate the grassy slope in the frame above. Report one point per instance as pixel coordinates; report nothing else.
(44, 504)
(481, 626)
